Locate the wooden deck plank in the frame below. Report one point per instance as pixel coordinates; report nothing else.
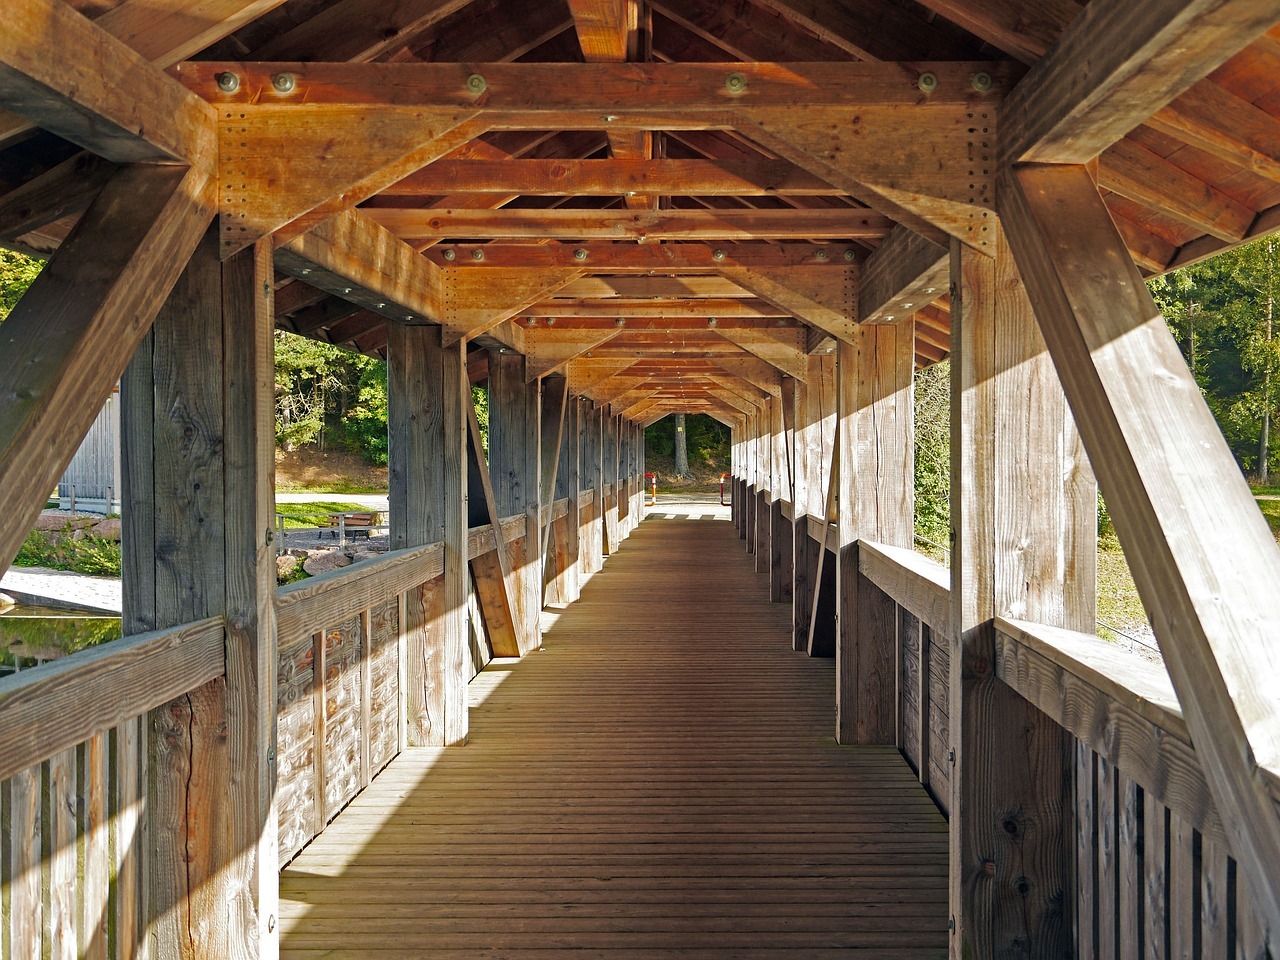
(659, 781)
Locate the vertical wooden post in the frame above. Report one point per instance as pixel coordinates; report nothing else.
(781, 548)
(876, 497)
(198, 430)
(514, 464)
(593, 480)
(764, 483)
(1023, 515)
(565, 585)
(427, 456)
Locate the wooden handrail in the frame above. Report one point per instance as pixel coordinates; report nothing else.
(1122, 706)
(337, 594)
(53, 707)
(915, 582)
(586, 496)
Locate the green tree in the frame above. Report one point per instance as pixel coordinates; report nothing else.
(16, 274)
(933, 452)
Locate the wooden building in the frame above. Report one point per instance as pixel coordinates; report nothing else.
(770, 211)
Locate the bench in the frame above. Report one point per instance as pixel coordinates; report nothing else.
(355, 524)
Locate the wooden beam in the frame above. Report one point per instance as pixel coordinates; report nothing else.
(352, 257)
(71, 77)
(554, 401)
(660, 310)
(1206, 565)
(1133, 171)
(823, 297)
(1115, 66)
(873, 30)
(612, 178)
(70, 337)
(642, 226)
(585, 372)
(784, 349)
(1215, 120)
(601, 94)
(755, 371)
(651, 288)
(1011, 28)
(490, 571)
(604, 257)
(904, 273)
(473, 302)
(514, 462)
(547, 352)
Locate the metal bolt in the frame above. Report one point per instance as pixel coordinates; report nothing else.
(551, 321)
(711, 322)
(284, 82)
(380, 306)
(821, 255)
(580, 254)
(735, 82)
(717, 255)
(409, 316)
(305, 272)
(928, 82)
(346, 289)
(849, 255)
(951, 924)
(619, 322)
(951, 756)
(450, 255)
(610, 118)
(228, 82)
(477, 254)
(476, 83)
(981, 81)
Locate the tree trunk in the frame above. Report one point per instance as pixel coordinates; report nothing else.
(682, 449)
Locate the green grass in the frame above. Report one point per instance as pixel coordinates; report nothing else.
(1271, 510)
(1264, 489)
(91, 555)
(338, 487)
(1118, 602)
(300, 516)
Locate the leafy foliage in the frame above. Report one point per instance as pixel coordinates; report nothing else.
(16, 274)
(91, 555)
(1222, 313)
(933, 453)
(707, 440)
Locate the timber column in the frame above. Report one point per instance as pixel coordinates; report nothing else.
(515, 466)
(566, 536)
(876, 477)
(1024, 528)
(198, 436)
(427, 426)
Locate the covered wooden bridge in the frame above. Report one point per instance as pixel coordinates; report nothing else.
(770, 211)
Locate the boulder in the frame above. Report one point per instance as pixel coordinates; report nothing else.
(108, 529)
(286, 566)
(322, 561)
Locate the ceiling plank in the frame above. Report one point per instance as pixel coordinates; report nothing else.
(1212, 119)
(735, 224)
(67, 188)
(584, 373)
(1133, 171)
(649, 309)
(1024, 30)
(1116, 65)
(356, 30)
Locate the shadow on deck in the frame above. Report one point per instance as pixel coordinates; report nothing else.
(660, 781)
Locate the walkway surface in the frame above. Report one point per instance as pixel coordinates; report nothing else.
(62, 588)
(659, 782)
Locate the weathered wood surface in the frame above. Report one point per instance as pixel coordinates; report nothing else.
(618, 798)
(61, 704)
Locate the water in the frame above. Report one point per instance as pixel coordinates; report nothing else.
(31, 635)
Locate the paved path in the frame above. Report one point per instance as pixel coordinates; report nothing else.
(62, 588)
(369, 501)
